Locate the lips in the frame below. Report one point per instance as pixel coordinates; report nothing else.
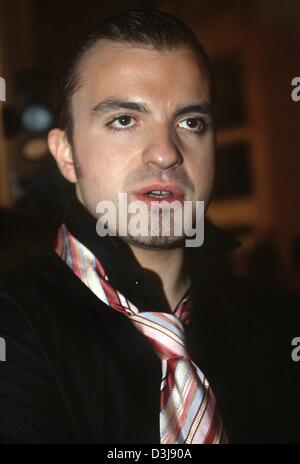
(159, 192)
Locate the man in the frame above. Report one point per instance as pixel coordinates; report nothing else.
(137, 338)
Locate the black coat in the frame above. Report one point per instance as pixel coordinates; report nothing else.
(79, 372)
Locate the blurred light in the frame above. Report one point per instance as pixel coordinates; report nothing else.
(35, 149)
(37, 118)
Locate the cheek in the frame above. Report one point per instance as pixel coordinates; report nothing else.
(203, 170)
(209, 169)
(103, 171)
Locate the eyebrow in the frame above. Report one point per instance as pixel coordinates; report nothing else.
(204, 108)
(113, 104)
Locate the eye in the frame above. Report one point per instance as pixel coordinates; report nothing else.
(193, 124)
(122, 122)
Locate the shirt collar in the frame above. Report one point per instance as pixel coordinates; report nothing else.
(142, 287)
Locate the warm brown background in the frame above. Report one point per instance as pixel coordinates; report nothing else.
(263, 36)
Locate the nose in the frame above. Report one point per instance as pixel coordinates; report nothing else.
(161, 151)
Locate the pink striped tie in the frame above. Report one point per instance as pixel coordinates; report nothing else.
(188, 409)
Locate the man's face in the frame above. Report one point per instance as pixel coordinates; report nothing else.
(142, 123)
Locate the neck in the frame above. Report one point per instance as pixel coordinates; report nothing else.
(169, 267)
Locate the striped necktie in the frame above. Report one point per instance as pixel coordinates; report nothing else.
(188, 409)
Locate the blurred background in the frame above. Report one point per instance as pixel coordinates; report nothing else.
(254, 46)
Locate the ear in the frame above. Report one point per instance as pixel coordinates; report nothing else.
(62, 152)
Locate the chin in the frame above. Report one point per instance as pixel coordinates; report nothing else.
(154, 242)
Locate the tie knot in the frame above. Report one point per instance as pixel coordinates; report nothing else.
(164, 331)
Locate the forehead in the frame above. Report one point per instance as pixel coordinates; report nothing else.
(120, 69)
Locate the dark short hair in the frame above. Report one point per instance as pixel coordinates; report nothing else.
(142, 27)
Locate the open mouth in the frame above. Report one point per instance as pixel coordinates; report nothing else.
(158, 194)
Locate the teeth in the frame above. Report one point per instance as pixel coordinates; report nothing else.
(158, 193)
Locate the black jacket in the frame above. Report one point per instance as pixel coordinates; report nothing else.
(78, 372)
